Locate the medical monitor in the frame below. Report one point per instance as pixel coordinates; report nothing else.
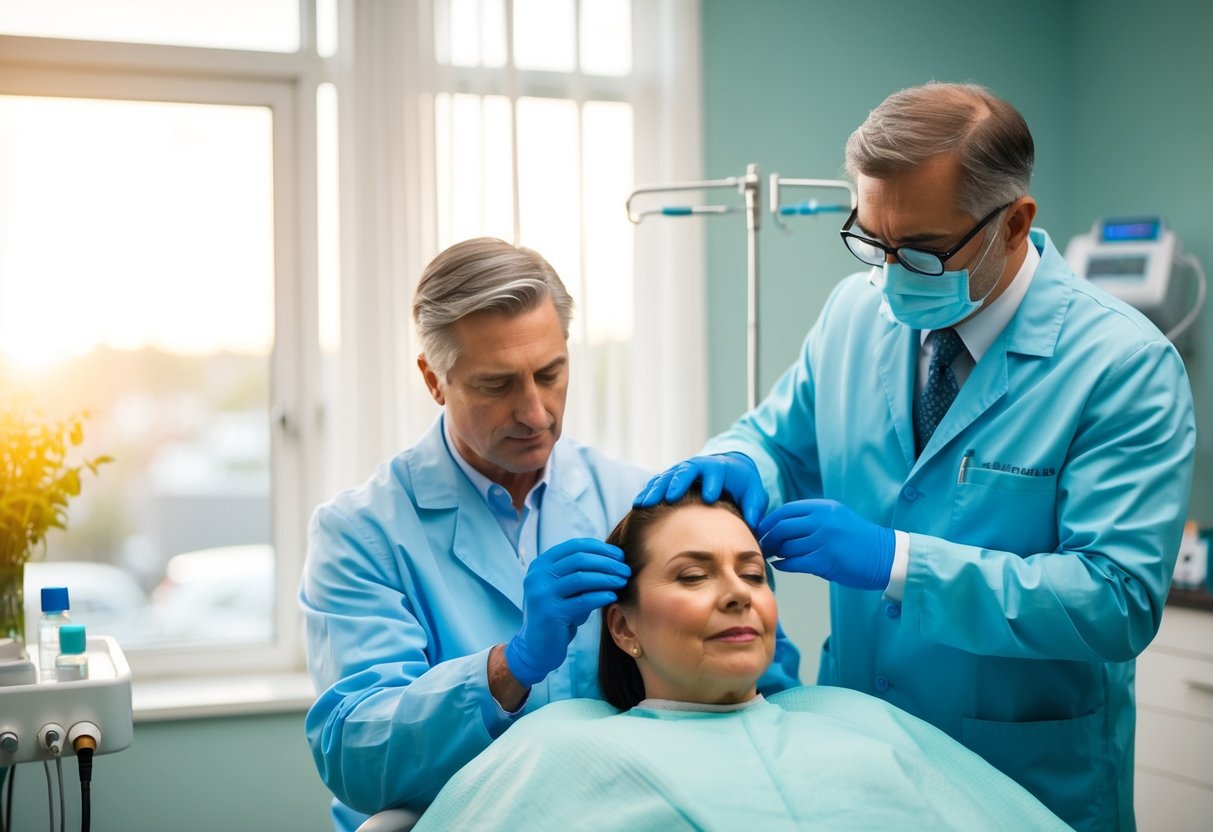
(1138, 260)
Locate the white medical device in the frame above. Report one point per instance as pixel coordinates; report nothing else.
(44, 721)
(1140, 261)
(32, 712)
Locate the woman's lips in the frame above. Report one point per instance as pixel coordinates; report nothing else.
(736, 634)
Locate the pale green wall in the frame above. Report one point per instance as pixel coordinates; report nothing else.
(234, 774)
(1143, 143)
(1117, 94)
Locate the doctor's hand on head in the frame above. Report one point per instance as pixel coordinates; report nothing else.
(734, 474)
(562, 587)
(827, 539)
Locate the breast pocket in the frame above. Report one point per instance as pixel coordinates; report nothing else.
(1009, 481)
(1006, 511)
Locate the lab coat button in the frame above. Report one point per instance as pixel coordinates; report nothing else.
(892, 610)
(910, 493)
(882, 684)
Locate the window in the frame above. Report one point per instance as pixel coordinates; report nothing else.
(213, 251)
(115, 296)
(152, 274)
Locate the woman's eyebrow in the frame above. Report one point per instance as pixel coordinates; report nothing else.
(695, 555)
(708, 557)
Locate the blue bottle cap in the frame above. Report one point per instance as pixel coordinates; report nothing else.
(71, 638)
(54, 599)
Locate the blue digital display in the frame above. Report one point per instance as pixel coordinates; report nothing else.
(1136, 229)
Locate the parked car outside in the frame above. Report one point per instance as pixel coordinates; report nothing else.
(105, 598)
(223, 594)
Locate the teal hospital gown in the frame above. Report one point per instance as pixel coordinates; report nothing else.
(810, 757)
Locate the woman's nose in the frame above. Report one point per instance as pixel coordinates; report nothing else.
(735, 593)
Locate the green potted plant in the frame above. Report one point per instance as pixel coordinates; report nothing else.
(38, 479)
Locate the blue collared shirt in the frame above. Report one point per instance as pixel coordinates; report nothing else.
(521, 528)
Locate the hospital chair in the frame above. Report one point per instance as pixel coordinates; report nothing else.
(390, 820)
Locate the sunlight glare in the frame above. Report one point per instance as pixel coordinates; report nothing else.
(134, 224)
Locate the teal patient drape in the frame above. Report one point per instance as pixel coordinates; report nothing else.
(810, 757)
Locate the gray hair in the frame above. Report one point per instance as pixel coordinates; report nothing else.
(989, 136)
(479, 275)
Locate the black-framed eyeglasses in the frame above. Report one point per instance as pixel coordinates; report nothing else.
(920, 260)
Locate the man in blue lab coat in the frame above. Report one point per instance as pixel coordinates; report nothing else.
(459, 587)
(988, 457)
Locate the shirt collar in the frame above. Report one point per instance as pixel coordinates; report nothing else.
(485, 486)
(978, 333)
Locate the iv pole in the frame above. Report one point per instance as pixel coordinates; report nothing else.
(750, 187)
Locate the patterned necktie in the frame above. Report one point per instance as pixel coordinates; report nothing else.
(940, 389)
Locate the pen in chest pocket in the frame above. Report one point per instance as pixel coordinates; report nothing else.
(964, 463)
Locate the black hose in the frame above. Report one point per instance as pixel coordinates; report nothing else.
(85, 757)
(8, 811)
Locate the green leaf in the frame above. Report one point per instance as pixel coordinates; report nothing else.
(37, 478)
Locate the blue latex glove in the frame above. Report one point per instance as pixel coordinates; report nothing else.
(825, 538)
(561, 588)
(734, 473)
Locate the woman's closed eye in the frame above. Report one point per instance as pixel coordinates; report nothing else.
(691, 578)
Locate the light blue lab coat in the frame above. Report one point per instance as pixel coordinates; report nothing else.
(409, 583)
(1037, 577)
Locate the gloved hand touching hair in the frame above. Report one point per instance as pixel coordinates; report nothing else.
(825, 538)
(732, 473)
(561, 588)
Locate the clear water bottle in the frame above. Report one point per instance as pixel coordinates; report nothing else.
(54, 615)
(72, 663)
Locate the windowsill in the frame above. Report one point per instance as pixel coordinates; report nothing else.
(160, 700)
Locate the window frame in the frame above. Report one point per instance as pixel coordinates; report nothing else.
(285, 84)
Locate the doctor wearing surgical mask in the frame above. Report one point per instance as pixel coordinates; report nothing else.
(987, 457)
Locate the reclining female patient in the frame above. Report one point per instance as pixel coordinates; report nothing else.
(684, 741)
